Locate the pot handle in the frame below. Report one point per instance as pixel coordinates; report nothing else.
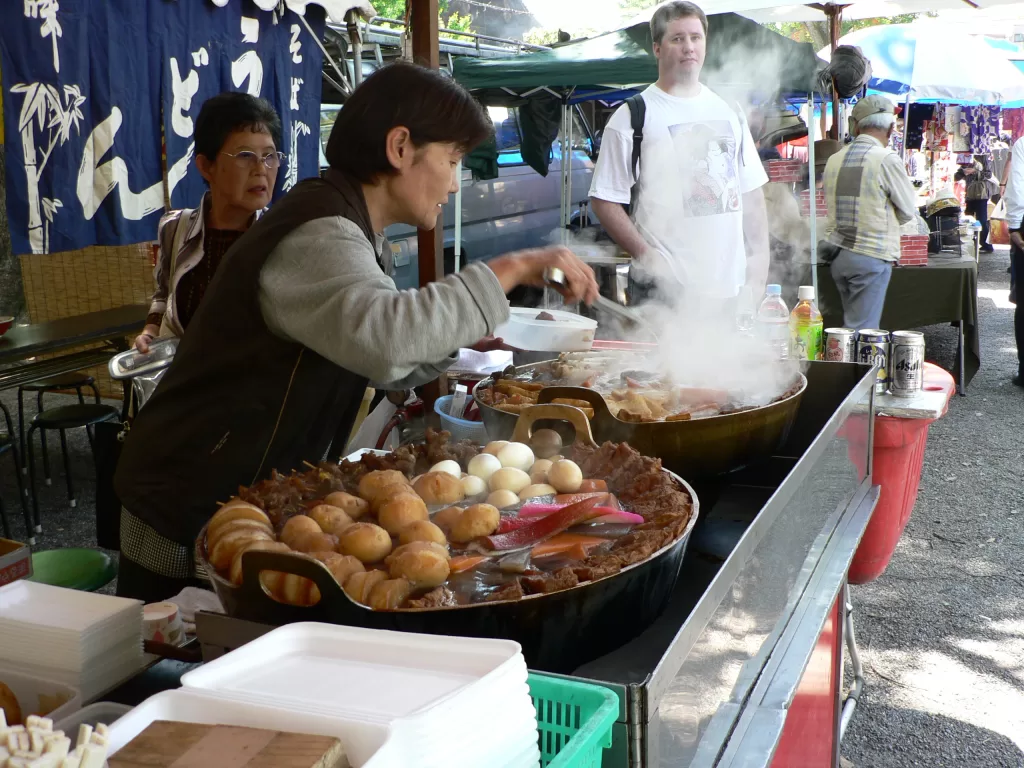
(256, 561)
(558, 412)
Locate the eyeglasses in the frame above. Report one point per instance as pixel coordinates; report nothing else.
(247, 160)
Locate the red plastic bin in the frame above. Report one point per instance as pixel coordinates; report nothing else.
(898, 459)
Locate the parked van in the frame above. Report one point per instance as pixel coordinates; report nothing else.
(519, 209)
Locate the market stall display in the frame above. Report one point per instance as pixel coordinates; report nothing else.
(401, 550)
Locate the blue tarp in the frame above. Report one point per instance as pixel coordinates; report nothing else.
(88, 85)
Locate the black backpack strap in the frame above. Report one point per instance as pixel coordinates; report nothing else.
(637, 114)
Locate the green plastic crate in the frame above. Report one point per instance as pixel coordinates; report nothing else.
(574, 721)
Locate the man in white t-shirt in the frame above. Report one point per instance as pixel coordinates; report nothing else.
(698, 225)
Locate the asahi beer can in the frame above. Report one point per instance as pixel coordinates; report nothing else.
(873, 349)
(907, 363)
(840, 345)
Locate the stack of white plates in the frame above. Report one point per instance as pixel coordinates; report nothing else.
(444, 701)
(87, 641)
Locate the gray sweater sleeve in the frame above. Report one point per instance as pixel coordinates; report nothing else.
(321, 287)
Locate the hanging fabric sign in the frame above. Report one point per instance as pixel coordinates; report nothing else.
(87, 87)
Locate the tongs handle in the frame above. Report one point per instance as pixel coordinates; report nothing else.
(556, 412)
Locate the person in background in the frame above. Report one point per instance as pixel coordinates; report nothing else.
(237, 136)
(1013, 193)
(978, 178)
(869, 195)
(698, 217)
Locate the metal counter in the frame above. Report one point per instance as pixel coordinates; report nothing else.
(709, 683)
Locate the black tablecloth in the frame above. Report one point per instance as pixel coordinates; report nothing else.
(23, 342)
(945, 291)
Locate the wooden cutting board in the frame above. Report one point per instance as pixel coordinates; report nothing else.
(188, 745)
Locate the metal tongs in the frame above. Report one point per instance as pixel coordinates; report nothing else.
(555, 277)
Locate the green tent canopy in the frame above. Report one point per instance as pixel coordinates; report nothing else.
(741, 53)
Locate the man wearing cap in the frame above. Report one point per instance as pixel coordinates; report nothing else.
(869, 196)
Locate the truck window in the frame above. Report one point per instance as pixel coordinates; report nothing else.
(507, 136)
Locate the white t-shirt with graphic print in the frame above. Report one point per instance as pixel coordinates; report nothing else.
(697, 160)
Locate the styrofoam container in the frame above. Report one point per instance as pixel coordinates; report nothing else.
(27, 690)
(566, 333)
(366, 674)
(367, 745)
(106, 712)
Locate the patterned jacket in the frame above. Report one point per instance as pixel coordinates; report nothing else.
(869, 196)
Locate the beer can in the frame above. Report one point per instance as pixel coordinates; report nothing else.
(873, 349)
(840, 345)
(907, 363)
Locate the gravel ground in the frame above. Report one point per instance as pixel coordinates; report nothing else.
(941, 632)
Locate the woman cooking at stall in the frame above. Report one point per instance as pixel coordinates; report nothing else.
(237, 136)
(301, 317)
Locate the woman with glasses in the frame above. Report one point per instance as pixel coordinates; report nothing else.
(236, 136)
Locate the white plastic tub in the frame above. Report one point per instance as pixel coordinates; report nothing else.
(366, 674)
(566, 333)
(366, 744)
(28, 690)
(106, 712)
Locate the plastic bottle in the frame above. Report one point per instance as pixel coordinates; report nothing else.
(745, 311)
(806, 327)
(773, 322)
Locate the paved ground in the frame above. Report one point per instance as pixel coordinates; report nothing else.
(941, 633)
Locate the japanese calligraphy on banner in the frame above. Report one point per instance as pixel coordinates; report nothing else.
(88, 85)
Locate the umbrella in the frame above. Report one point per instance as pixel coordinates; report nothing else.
(934, 63)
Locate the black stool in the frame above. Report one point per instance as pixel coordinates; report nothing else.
(8, 443)
(63, 418)
(73, 381)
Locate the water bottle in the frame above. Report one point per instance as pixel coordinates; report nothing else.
(806, 327)
(773, 322)
(745, 311)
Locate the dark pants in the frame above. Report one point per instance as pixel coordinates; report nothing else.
(1017, 258)
(140, 583)
(979, 210)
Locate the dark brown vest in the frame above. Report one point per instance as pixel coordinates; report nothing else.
(239, 401)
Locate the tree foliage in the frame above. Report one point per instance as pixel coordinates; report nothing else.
(816, 32)
(395, 9)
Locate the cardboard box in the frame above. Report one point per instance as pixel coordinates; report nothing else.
(15, 561)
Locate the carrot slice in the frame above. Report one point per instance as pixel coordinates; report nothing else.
(461, 563)
(590, 486)
(574, 544)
